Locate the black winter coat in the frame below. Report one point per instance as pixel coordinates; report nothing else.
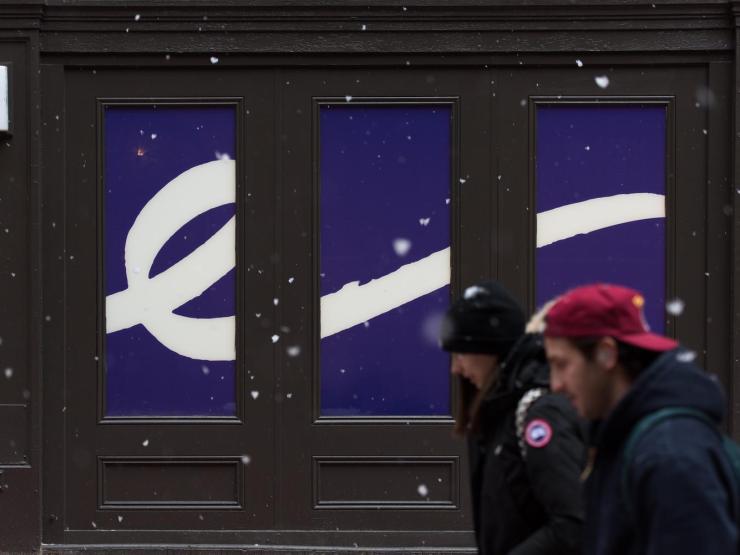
(680, 492)
(529, 506)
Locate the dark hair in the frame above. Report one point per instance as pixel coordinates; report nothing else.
(470, 400)
(633, 359)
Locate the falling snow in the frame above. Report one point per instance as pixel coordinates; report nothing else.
(602, 81)
(579, 63)
(275, 338)
(675, 307)
(423, 490)
(214, 60)
(255, 394)
(424, 221)
(686, 356)
(293, 351)
(401, 246)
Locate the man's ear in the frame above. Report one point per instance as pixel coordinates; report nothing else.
(607, 353)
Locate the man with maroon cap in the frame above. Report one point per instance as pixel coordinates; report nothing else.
(674, 492)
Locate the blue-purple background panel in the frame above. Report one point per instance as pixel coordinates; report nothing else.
(383, 169)
(145, 148)
(586, 152)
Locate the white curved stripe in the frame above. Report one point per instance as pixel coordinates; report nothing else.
(188, 195)
(354, 304)
(198, 338)
(151, 301)
(177, 285)
(590, 215)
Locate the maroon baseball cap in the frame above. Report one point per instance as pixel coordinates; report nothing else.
(604, 310)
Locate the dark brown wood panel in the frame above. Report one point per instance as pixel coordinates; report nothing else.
(78, 372)
(685, 171)
(20, 301)
(720, 217)
(185, 483)
(383, 483)
(661, 48)
(302, 434)
(734, 151)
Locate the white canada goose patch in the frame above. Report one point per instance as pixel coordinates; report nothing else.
(538, 433)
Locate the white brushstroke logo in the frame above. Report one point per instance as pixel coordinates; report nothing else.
(354, 304)
(151, 301)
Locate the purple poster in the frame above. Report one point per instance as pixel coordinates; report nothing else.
(385, 266)
(601, 200)
(169, 193)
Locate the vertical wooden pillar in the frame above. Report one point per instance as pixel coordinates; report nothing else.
(20, 291)
(735, 387)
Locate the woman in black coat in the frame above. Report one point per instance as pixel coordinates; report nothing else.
(526, 445)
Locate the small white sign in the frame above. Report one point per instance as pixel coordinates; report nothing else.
(4, 107)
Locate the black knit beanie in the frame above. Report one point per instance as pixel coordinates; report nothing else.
(485, 320)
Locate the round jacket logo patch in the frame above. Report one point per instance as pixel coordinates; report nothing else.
(538, 433)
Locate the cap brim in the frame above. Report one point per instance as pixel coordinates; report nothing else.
(650, 341)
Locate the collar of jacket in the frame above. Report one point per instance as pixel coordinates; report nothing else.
(523, 369)
(672, 380)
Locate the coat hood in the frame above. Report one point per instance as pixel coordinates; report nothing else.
(673, 380)
(525, 367)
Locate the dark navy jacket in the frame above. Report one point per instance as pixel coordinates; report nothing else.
(680, 483)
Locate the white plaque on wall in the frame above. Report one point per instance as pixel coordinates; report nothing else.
(4, 107)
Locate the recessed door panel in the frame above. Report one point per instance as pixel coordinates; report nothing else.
(381, 168)
(166, 383)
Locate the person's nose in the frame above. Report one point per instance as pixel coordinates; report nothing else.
(556, 383)
(455, 366)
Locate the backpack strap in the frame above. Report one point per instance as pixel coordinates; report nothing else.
(522, 408)
(640, 429)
